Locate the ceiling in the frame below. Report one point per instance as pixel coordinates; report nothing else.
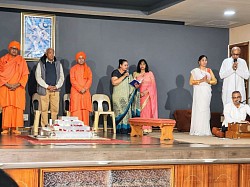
(207, 13)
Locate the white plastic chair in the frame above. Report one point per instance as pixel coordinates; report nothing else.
(36, 111)
(100, 98)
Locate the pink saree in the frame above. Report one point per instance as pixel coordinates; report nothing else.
(148, 103)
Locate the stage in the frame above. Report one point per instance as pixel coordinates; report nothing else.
(137, 151)
(143, 152)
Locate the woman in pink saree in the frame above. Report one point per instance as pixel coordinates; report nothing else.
(148, 93)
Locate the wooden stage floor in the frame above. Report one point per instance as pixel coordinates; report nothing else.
(19, 153)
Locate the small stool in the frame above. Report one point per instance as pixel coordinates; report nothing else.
(166, 126)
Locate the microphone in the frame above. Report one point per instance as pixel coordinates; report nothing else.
(235, 65)
(125, 72)
(244, 100)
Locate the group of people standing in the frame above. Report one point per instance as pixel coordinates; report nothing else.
(50, 78)
(128, 100)
(233, 71)
(138, 100)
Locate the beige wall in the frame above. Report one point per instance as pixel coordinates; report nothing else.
(239, 34)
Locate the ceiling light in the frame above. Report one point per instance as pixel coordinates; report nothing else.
(229, 12)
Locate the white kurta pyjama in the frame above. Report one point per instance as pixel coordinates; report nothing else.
(233, 80)
(234, 114)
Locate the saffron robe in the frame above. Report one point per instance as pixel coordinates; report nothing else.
(80, 78)
(13, 70)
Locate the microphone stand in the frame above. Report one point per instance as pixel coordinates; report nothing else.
(235, 60)
(127, 71)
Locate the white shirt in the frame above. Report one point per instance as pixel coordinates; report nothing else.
(233, 79)
(234, 114)
(42, 82)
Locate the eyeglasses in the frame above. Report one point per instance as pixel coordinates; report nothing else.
(238, 97)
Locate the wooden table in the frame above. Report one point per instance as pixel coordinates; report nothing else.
(238, 130)
(166, 125)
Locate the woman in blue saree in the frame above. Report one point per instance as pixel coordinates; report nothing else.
(125, 97)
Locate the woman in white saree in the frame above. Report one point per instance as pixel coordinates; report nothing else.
(201, 79)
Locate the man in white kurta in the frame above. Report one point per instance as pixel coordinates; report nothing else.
(235, 112)
(233, 71)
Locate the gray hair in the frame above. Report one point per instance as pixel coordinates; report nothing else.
(235, 49)
(48, 49)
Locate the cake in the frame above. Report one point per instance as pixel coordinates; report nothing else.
(68, 128)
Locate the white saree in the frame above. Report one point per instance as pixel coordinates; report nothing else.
(200, 120)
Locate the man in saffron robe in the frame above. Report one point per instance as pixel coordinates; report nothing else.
(80, 97)
(13, 78)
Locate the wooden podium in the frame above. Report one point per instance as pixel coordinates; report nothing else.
(238, 130)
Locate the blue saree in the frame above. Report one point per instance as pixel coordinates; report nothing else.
(126, 104)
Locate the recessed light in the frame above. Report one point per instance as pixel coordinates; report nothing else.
(229, 12)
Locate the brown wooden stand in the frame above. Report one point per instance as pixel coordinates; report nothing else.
(166, 125)
(238, 130)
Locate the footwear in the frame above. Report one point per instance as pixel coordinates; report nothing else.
(5, 132)
(215, 130)
(15, 132)
(145, 131)
(220, 134)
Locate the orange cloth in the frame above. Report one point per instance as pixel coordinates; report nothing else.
(80, 78)
(80, 54)
(12, 117)
(14, 44)
(82, 115)
(13, 70)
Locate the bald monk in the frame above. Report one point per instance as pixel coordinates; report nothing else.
(13, 78)
(80, 97)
